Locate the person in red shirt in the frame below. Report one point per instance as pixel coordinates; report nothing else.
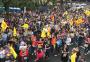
(40, 43)
(39, 55)
(24, 55)
(53, 41)
(33, 39)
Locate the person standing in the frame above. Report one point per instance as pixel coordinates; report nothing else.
(39, 55)
(64, 55)
(73, 55)
(78, 55)
(24, 55)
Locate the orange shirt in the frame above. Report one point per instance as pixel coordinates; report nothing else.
(52, 17)
(53, 41)
(33, 39)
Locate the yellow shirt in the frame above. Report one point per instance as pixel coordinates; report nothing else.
(73, 57)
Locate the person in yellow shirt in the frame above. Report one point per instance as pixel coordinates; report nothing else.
(73, 55)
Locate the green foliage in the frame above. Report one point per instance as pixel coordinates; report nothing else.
(26, 3)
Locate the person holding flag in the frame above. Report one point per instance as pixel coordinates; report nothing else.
(26, 26)
(14, 32)
(13, 52)
(3, 26)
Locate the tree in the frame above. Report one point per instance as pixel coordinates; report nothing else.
(25, 3)
(6, 5)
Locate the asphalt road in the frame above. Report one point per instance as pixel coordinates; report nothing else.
(57, 58)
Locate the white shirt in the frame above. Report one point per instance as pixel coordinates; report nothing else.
(68, 41)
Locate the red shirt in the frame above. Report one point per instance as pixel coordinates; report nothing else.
(33, 39)
(40, 55)
(22, 54)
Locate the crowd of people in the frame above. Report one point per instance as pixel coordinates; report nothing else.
(37, 36)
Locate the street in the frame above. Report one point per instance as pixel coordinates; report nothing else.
(57, 58)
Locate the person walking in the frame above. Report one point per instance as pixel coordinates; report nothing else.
(64, 55)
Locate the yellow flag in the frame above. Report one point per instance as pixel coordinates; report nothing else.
(87, 12)
(79, 21)
(25, 26)
(48, 32)
(3, 26)
(43, 33)
(71, 22)
(73, 57)
(14, 32)
(13, 52)
(65, 13)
